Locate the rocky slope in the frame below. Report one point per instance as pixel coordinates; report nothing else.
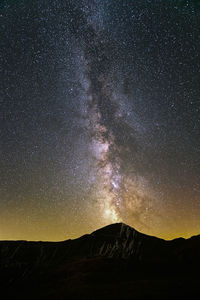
(114, 262)
(113, 241)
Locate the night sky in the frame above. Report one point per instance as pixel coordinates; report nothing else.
(99, 117)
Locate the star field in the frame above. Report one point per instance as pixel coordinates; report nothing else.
(100, 117)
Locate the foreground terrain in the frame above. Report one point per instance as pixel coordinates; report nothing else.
(114, 262)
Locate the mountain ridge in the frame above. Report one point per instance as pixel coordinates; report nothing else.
(116, 258)
(115, 240)
(99, 230)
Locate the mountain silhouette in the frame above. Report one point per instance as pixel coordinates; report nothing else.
(115, 259)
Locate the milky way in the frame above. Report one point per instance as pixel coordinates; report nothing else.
(100, 117)
(116, 192)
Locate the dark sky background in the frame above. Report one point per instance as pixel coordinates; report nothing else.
(100, 117)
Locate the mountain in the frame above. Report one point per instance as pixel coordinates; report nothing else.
(97, 261)
(113, 241)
